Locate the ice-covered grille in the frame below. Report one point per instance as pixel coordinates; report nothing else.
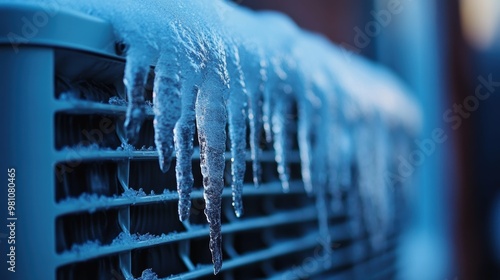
(104, 209)
(105, 190)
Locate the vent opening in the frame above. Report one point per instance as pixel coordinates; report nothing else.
(146, 174)
(87, 131)
(164, 260)
(85, 231)
(155, 219)
(107, 268)
(95, 177)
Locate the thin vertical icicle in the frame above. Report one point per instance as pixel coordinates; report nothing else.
(276, 77)
(304, 134)
(184, 130)
(167, 105)
(374, 191)
(319, 166)
(280, 111)
(367, 184)
(266, 113)
(211, 120)
(346, 150)
(381, 142)
(280, 135)
(345, 142)
(321, 207)
(183, 138)
(136, 73)
(340, 157)
(334, 152)
(255, 119)
(237, 107)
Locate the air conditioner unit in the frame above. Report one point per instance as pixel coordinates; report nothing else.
(90, 206)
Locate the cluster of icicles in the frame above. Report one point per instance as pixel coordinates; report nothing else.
(217, 64)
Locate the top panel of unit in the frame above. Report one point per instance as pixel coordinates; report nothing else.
(54, 26)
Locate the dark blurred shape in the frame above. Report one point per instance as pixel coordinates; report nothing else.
(475, 53)
(334, 19)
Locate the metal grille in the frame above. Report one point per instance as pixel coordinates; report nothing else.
(108, 212)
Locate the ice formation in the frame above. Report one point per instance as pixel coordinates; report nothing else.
(237, 114)
(218, 64)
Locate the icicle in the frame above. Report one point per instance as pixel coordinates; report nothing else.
(281, 141)
(319, 112)
(345, 139)
(375, 192)
(266, 108)
(266, 114)
(305, 130)
(237, 106)
(367, 184)
(383, 191)
(321, 207)
(276, 109)
(167, 105)
(347, 118)
(183, 134)
(276, 77)
(211, 120)
(184, 131)
(340, 157)
(136, 73)
(255, 119)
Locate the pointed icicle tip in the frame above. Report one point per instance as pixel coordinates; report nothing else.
(183, 134)
(165, 164)
(238, 210)
(217, 266)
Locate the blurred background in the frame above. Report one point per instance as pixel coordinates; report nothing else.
(448, 53)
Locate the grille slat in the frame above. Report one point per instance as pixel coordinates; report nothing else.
(345, 264)
(281, 249)
(75, 154)
(93, 203)
(283, 218)
(82, 107)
